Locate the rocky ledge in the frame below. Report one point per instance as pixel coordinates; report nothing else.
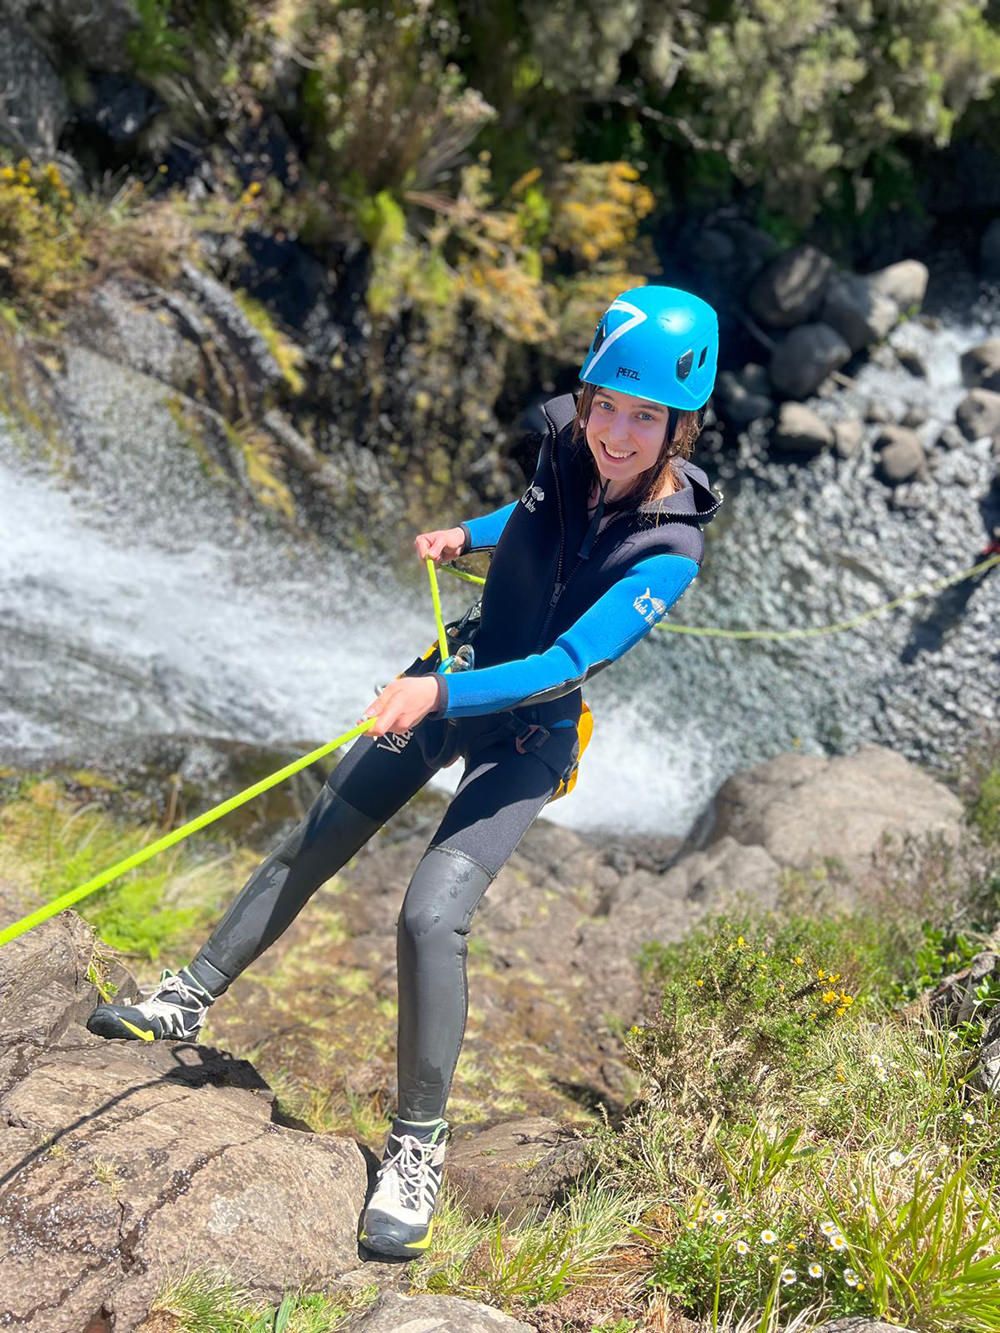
(120, 1164)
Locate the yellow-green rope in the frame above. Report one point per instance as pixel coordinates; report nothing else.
(809, 632)
(11, 932)
(438, 618)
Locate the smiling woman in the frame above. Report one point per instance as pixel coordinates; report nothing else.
(600, 546)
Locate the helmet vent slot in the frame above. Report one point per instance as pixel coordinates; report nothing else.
(701, 359)
(684, 364)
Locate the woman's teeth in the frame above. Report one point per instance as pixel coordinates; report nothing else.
(612, 454)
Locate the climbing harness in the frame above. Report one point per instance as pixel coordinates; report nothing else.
(809, 632)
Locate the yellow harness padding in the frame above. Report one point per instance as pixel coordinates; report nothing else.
(584, 731)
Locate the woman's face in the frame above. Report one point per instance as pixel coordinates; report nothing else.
(624, 434)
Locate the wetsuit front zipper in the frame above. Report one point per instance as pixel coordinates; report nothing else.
(557, 590)
(561, 587)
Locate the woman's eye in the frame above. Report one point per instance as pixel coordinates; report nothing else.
(604, 405)
(645, 416)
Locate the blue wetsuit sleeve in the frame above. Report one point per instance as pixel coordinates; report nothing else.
(483, 533)
(614, 624)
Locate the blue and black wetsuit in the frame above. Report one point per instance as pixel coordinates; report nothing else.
(568, 592)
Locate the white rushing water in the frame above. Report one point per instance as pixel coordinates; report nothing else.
(133, 603)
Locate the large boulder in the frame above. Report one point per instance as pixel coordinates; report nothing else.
(804, 808)
(800, 430)
(978, 414)
(801, 362)
(738, 404)
(119, 1158)
(519, 1168)
(981, 366)
(905, 283)
(395, 1313)
(859, 312)
(789, 290)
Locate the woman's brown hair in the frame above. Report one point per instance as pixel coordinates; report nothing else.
(679, 445)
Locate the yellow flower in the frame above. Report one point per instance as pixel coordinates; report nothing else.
(841, 1010)
(798, 961)
(821, 974)
(791, 1246)
(700, 982)
(845, 998)
(829, 997)
(834, 976)
(740, 942)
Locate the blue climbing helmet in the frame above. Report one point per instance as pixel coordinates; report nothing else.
(658, 343)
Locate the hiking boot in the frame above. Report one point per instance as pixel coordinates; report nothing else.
(399, 1217)
(175, 1008)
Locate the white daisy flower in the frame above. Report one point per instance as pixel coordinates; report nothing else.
(827, 1227)
(850, 1277)
(719, 1216)
(815, 1270)
(968, 1117)
(768, 1237)
(837, 1242)
(896, 1158)
(742, 1247)
(787, 1276)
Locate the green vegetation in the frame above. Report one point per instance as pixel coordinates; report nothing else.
(205, 1302)
(52, 842)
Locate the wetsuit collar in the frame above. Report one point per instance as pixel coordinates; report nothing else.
(695, 496)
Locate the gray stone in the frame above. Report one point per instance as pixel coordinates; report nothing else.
(912, 361)
(978, 414)
(802, 361)
(790, 289)
(755, 379)
(877, 413)
(847, 436)
(518, 1169)
(950, 437)
(860, 313)
(905, 283)
(914, 417)
(981, 366)
(33, 106)
(900, 455)
(989, 250)
(859, 1323)
(395, 1313)
(800, 430)
(736, 404)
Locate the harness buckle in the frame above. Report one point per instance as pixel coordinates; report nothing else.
(532, 738)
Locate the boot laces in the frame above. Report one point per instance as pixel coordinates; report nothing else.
(170, 983)
(413, 1164)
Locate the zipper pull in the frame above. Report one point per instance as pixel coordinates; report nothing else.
(557, 592)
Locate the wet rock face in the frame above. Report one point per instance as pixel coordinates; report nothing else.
(114, 1155)
(33, 106)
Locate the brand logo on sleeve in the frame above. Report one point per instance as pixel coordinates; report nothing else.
(649, 607)
(394, 741)
(532, 497)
